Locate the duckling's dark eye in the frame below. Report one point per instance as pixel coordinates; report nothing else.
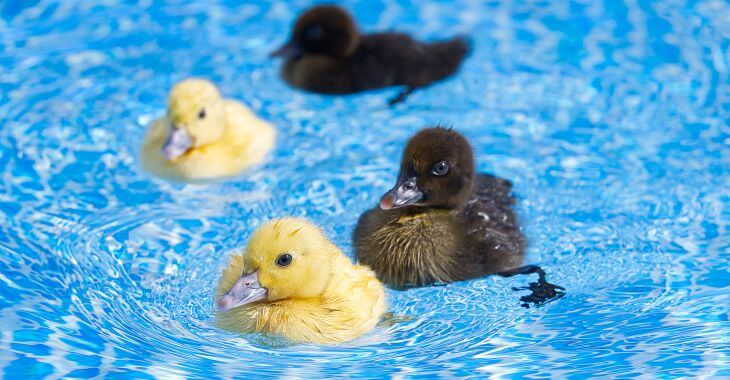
(441, 168)
(284, 260)
(315, 32)
(201, 114)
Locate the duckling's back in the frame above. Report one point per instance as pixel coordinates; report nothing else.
(398, 59)
(359, 287)
(381, 60)
(495, 241)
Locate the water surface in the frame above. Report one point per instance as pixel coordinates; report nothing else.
(611, 118)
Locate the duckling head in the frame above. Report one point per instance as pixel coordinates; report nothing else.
(325, 29)
(287, 258)
(197, 117)
(437, 170)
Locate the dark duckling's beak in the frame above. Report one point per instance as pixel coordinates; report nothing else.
(178, 143)
(405, 193)
(289, 50)
(246, 290)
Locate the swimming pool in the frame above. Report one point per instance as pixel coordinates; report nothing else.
(611, 119)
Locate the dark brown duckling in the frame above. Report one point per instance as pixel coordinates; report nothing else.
(442, 222)
(326, 54)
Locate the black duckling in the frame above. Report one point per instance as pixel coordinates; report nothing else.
(442, 222)
(326, 54)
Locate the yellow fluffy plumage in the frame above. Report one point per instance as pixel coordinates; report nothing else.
(225, 136)
(320, 297)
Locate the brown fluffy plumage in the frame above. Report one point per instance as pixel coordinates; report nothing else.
(440, 225)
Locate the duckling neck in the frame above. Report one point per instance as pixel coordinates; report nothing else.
(423, 214)
(337, 277)
(237, 126)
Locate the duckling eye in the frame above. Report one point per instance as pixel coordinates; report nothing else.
(315, 33)
(441, 168)
(284, 260)
(201, 114)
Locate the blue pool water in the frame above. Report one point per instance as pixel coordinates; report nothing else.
(610, 117)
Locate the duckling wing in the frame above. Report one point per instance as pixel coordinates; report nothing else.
(367, 296)
(352, 307)
(387, 59)
(495, 240)
(324, 74)
(248, 139)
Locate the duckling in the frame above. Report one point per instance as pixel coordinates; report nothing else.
(442, 222)
(293, 282)
(326, 54)
(204, 135)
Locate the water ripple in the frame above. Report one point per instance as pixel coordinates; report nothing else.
(610, 118)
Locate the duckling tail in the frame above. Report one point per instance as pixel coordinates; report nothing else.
(443, 60)
(542, 291)
(452, 53)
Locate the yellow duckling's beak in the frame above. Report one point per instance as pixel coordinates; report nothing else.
(246, 290)
(178, 143)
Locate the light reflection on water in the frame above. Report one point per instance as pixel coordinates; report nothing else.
(610, 118)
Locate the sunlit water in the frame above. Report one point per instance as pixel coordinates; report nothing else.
(611, 119)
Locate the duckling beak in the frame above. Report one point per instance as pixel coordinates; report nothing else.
(246, 290)
(405, 193)
(177, 143)
(287, 51)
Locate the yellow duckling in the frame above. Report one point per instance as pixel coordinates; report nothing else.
(293, 282)
(204, 136)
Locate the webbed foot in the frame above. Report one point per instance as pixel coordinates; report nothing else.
(542, 291)
(402, 96)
